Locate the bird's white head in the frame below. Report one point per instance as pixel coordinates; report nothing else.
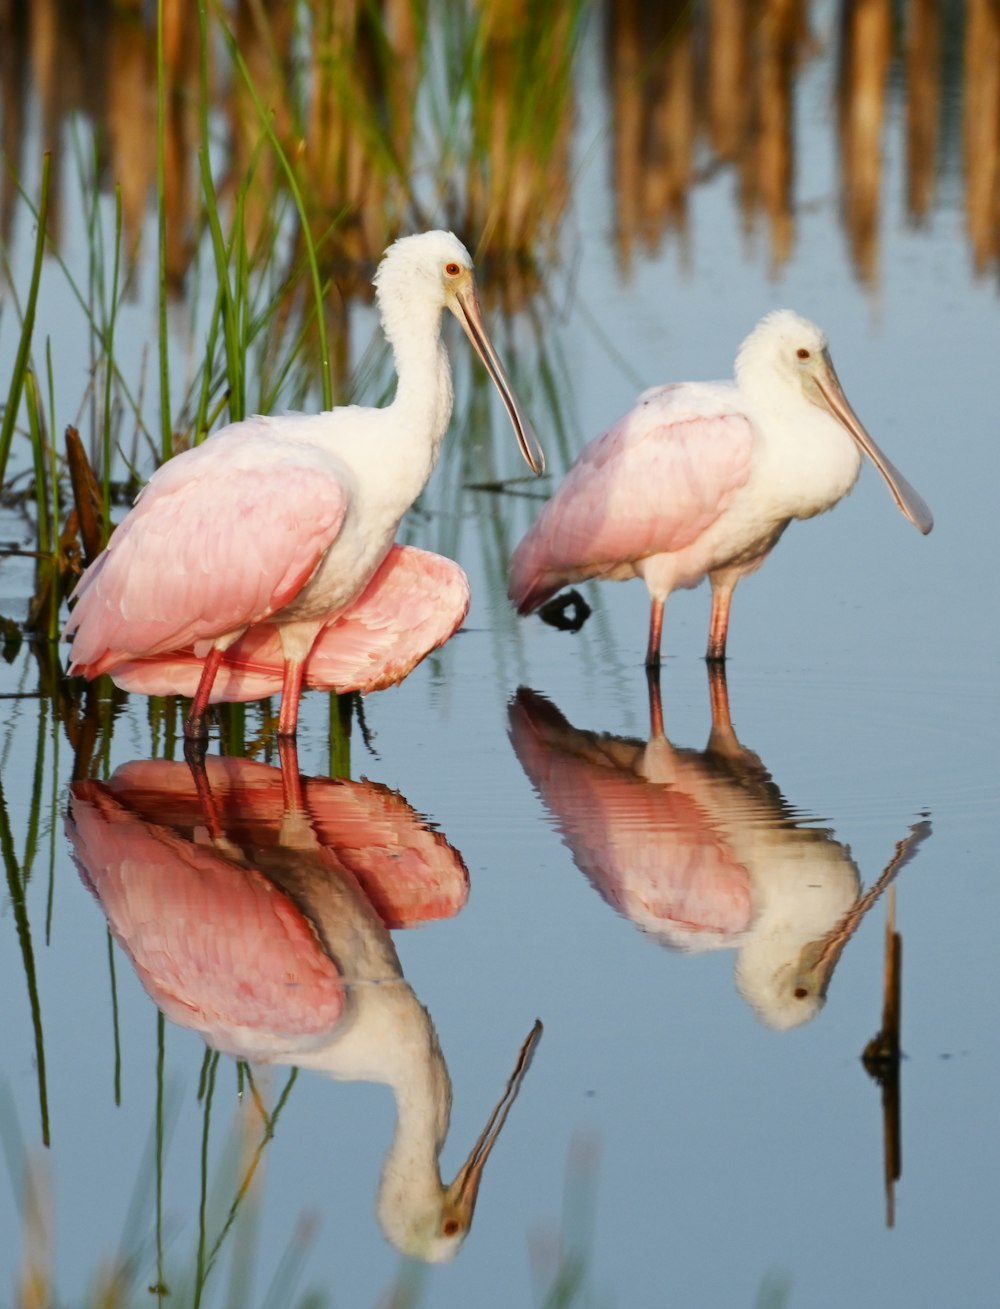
(786, 353)
(429, 265)
(783, 347)
(421, 275)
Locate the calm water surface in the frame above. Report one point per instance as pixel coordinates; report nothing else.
(670, 1144)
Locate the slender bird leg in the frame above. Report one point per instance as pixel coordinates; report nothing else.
(722, 740)
(291, 783)
(655, 633)
(718, 697)
(291, 689)
(194, 725)
(655, 700)
(194, 753)
(718, 627)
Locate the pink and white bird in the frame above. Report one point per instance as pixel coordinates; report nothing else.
(413, 604)
(284, 521)
(700, 479)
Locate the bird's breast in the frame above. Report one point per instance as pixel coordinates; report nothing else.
(804, 462)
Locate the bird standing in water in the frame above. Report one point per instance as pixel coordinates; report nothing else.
(284, 521)
(700, 479)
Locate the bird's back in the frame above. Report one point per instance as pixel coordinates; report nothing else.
(222, 536)
(650, 484)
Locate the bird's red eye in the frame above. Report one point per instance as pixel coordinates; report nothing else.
(802, 352)
(452, 270)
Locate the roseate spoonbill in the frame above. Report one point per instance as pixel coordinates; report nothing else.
(263, 941)
(701, 479)
(412, 605)
(285, 520)
(700, 849)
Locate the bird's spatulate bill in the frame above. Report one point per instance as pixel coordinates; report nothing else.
(464, 1189)
(472, 320)
(910, 501)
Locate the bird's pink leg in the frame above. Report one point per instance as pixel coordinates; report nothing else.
(209, 804)
(655, 633)
(719, 624)
(655, 702)
(718, 692)
(291, 782)
(194, 724)
(291, 690)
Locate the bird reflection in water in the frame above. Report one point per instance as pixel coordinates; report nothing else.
(255, 905)
(700, 849)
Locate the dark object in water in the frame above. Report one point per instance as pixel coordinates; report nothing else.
(568, 611)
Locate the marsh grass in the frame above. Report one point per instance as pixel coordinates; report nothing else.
(21, 360)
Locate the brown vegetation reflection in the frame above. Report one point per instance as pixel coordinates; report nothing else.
(693, 88)
(881, 1059)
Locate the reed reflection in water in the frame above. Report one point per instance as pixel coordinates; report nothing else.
(725, 73)
(691, 89)
(255, 907)
(700, 849)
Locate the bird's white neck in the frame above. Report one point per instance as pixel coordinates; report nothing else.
(411, 1178)
(392, 1040)
(424, 396)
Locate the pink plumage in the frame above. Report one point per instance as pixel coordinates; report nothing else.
(651, 851)
(166, 899)
(408, 871)
(413, 604)
(182, 570)
(651, 484)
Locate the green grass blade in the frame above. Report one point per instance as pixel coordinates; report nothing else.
(18, 900)
(293, 186)
(27, 325)
(166, 427)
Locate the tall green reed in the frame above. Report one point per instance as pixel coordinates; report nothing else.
(17, 380)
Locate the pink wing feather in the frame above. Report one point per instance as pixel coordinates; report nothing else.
(165, 899)
(412, 605)
(183, 568)
(409, 872)
(650, 485)
(651, 851)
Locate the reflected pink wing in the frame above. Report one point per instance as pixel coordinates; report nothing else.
(222, 536)
(412, 605)
(651, 484)
(216, 946)
(650, 850)
(409, 872)
(248, 797)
